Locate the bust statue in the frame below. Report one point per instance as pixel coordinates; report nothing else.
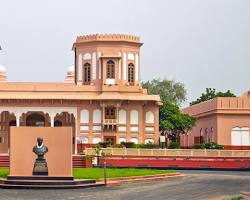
(40, 149)
(40, 166)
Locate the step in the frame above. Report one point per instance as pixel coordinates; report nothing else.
(10, 186)
(45, 182)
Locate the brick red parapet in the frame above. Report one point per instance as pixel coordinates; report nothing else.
(179, 162)
(237, 147)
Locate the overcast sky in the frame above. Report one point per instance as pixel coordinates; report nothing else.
(201, 43)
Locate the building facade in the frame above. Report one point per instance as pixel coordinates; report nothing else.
(225, 120)
(101, 97)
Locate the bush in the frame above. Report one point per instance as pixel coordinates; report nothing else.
(174, 145)
(149, 145)
(213, 145)
(128, 144)
(209, 145)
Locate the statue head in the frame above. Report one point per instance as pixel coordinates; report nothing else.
(39, 141)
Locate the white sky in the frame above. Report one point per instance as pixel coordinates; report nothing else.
(202, 43)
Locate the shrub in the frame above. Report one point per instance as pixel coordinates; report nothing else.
(174, 145)
(213, 145)
(117, 145)
(128, 144)
(149, 145)
(209, 145)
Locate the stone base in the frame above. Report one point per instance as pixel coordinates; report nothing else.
(42, 182)
(40, 167)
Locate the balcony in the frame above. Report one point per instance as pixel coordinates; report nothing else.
(110, 122)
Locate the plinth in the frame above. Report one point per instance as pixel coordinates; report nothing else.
(40, 167)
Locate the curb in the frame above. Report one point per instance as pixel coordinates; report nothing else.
(133, 179)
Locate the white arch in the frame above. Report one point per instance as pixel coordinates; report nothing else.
(134, 118)
(97, 116)
(149, 141)
(122, 140)
(150, 118)
(84, 116)
(134, 140)
(240, 136)
(122, 117)
(87, 56)
(96, 140)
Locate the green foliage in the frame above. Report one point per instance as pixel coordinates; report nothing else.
(211, 94)
(128, 144)
(174, 145)
(97, 173)
(209, 145)
(4, 172)
(173, 122)
(237, 198)
(147, 146)
(169, 90)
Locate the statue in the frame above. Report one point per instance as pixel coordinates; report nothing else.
(40, 166)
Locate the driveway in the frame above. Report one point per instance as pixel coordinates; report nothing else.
(195, 185)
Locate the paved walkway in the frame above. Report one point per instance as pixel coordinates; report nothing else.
(200, 185)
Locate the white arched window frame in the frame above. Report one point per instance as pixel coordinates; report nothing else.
(122, 140)
(240, 136)
(134, 140)
(122, 117)
(150, 119)
(97, 116)
(84, 116)
(96, 140)
(149, 141)
(134, 117)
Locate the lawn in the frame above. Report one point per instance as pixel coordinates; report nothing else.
(97, 173)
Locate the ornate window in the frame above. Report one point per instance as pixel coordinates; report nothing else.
(86, 73)
(131, 72)
(110, 73)
(110, 113)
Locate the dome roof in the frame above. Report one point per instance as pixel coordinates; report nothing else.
(71, 70)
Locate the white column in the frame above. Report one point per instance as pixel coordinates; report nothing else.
(124, 66)
(75, 133)
(18, 115)
(52, 118)
(119, 67)
(79, 71)
(94, 65)
(136, 67)
(100, 65)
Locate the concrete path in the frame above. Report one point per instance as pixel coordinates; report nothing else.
(202, 185)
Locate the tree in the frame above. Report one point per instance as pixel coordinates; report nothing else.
(210, 94)
(173, 122)
(170, 90)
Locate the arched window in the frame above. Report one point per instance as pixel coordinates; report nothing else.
(131, 72)
(150, 117)
(122, 117)
(97, 116)
(110, 73)
(35, 119)
(86, 73)
(84, 116)
(134, 117)
(57, 123)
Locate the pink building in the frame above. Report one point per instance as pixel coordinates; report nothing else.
(101, 97)
(225, 120)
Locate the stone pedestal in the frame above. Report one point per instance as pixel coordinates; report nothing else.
(40, 167)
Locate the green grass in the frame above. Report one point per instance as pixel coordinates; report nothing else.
(97, 173)
(4, 171)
